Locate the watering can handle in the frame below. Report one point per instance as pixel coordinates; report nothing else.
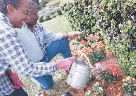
(89, 64)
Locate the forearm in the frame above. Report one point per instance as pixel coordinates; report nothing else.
(37, 69)
(71, 35)
(19, 60)
(65, 36)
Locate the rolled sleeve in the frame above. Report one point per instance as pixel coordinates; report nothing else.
(49, 36)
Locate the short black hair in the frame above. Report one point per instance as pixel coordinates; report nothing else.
(31, 4)
(4, 3)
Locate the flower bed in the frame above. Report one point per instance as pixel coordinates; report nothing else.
(109, 80)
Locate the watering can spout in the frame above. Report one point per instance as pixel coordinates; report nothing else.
(98, 67)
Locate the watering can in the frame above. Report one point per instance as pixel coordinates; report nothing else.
(80, 72)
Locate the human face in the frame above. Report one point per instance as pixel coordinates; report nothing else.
(18, 16)
(32, 17)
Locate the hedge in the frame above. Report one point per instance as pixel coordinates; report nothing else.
(114, 20)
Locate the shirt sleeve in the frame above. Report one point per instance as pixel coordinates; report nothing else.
(49, 36)
(13, 54)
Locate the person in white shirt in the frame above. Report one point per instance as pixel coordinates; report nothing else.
(33, 37)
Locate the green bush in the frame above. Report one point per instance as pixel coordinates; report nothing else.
(41, 19)
(53, 16)
(79, 14)
(44, 2)
(46, 18)
(57, 10)
(114, 20)
(49, 13)
(53, 3)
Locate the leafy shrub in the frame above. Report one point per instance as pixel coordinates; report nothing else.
(105, 75)
(78, 14)
(53, 16)
(114, 20)
(53, 3)
(88, 93)
(97, 88)
(44, 2)
(41, 19)
(91, 78)
(97, 55)
(46, 18)
(129, 87)
(49, 13)
(57, 10)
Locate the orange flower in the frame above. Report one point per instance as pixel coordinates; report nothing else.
(85, 50)
(83, 42)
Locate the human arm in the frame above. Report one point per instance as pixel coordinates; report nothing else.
(71, 35)
(49, 36)
(13, 54)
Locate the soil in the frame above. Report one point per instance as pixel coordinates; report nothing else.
(113, 88)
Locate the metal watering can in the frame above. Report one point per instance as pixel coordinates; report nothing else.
(80, 72)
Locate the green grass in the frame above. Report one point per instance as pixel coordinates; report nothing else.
(58, 24)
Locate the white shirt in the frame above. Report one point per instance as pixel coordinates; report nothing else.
(33, 42)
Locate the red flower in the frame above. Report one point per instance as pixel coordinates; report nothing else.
(111, 66)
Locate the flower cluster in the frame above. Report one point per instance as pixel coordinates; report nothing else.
(111, 66)
(92, 46)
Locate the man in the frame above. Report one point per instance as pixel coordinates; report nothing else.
(12, 53)
(33, 36)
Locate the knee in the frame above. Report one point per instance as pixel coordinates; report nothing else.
(65, 40)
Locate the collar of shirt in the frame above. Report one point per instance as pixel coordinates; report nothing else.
(5, 19)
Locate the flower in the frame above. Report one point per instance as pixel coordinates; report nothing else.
(111, 66)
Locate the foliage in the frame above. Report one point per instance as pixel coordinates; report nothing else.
(49, 13)
(92, 46)
(79, 14)
(105, 75)
(41, 19)
(88, 93)
(113, 20)
(44, 2)
(91, 78)
(97, 55)
(118, 30)
(97, 88)
(129, 87)
(53, 3)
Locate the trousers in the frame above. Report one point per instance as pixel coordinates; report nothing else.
(18, 92)
(52, 49)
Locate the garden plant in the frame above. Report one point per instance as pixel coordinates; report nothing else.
(109, 28)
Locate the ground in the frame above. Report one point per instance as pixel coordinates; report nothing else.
(111, 89)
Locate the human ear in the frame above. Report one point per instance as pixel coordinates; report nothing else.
(10, 9)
